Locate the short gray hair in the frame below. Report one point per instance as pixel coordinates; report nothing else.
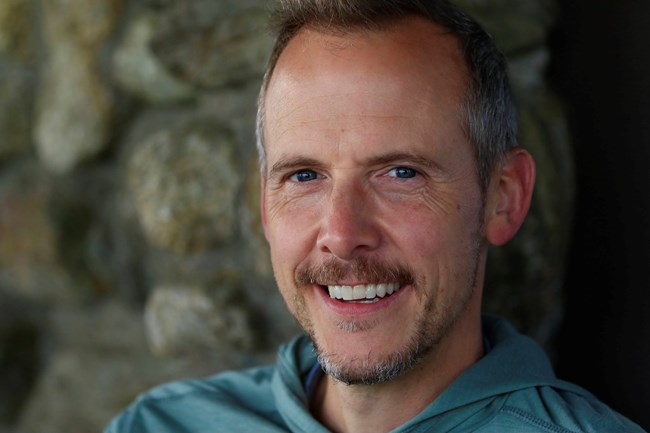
(489, 111)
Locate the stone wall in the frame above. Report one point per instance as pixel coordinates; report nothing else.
(131, 251)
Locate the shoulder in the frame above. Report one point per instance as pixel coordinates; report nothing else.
(227, 401)
(557, 409)
(518, 379)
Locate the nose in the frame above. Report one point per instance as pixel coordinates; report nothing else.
(348, 226)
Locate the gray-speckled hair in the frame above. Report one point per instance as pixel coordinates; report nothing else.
(490, 115)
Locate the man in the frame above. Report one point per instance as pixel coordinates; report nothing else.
(389, 163)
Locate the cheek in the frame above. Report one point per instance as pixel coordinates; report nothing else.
(439, 235)
(416, 222)
(289, 230)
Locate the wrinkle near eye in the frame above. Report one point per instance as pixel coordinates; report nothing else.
(293, 201)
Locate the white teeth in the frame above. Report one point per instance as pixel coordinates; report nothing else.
(371, 292)
(362, 291)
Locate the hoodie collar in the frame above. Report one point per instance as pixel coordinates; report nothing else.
(514, 362)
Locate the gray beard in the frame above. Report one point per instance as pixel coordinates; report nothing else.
(431, 327)
(385, 370)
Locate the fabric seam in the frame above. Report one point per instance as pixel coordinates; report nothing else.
(532, 419)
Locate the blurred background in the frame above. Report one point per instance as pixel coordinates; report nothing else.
(131, 251)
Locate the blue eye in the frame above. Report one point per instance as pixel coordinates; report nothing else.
(403, 173)
(304, 176)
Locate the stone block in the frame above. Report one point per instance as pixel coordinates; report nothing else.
(16, 96)
(213, 44)
(16, 37)
(251, 222)
(182, 321)
(139, 71)
(73, 103)
(30, 266)
(102, 363)
(184, 180)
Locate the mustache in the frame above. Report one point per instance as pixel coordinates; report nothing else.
(363, 269)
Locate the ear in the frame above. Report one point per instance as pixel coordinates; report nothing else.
(509, 196)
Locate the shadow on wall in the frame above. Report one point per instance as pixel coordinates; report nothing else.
(602, 67)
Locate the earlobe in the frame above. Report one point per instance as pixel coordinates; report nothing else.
(509, 196)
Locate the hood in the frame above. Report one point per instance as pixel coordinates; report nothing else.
(514, 362)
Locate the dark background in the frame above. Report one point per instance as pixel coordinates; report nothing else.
(601, 66)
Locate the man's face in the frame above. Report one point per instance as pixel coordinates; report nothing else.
(371, 189)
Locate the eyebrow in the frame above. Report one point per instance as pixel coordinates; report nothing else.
(300, 162)
(290, 164)
(405, 157)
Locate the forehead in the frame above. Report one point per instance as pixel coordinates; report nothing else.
(411, 38)
(411, 47)
(412, 66)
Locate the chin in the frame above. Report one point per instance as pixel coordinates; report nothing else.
(369, 371)
(363, 366)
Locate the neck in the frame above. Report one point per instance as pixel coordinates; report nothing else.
(381, 408)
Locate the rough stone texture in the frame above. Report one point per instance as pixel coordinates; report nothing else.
(15, 28)
(251, 222)
(73, 111)
(517, 26)
(29, 262)
(149, 238)
(17, 77)
(184, 181)
(100, 364)
(15, 108)
(213, 43)
(183, 320)
(139, 71)
(73, 101)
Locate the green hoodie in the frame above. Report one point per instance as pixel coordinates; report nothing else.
(511, 389)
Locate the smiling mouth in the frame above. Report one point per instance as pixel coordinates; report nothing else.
(364, 293)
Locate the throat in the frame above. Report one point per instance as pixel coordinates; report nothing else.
(356, 408)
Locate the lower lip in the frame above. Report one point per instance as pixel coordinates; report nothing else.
(360, 308)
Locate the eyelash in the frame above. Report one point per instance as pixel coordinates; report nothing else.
(313, 175)
(294, 176)
(412, 172)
